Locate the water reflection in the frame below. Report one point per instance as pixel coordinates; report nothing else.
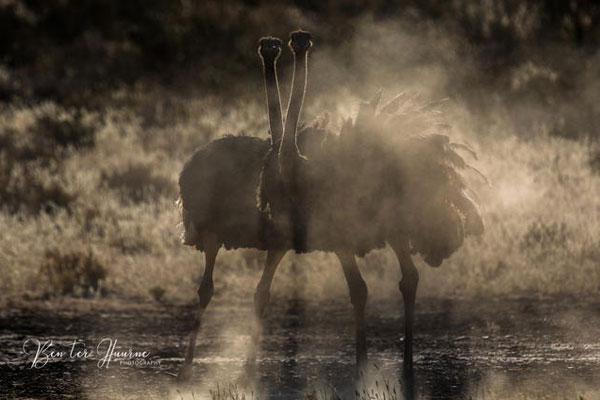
(463, 349)
(446, 373)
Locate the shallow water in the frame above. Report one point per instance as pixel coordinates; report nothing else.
(477, 348)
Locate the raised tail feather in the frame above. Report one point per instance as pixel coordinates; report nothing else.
(446, 211)
(423, 173)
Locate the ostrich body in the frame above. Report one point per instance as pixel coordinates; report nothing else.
(359, 192)
(218, 202)
(224, 207)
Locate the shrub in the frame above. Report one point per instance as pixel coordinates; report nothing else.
(73, 272)
(139, 183)
(545, 235)
(49, 138)
(64, 132)
(157, 293)
(31, 158)
(23, 190)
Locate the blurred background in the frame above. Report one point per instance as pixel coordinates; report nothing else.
(103, 101)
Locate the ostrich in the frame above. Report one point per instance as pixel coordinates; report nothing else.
(408, 194)
(217, 200)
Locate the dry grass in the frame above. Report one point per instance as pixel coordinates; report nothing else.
(75, 272)
(542, 215)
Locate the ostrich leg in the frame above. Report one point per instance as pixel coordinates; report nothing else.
(205, 292)
(408, 288)
(358, 297)
(261, 300)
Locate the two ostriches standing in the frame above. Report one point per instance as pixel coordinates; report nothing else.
(385, 178)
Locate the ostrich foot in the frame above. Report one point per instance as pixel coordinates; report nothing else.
(185, 373)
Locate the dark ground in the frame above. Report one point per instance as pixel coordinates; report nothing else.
(491, 348)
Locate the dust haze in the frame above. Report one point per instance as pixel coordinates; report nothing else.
(101, 105)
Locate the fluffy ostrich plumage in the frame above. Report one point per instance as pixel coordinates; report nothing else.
(386, 174)
(215, 187)
(217, 191)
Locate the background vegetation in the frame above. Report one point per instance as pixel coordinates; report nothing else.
(102, 101)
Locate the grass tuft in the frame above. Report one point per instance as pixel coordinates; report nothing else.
(73, 272)
(139, 183)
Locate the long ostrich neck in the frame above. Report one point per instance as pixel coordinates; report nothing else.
(273, 102)
(288, 149)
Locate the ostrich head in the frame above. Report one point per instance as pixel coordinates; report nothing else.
(300, 41)
(269, 48)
